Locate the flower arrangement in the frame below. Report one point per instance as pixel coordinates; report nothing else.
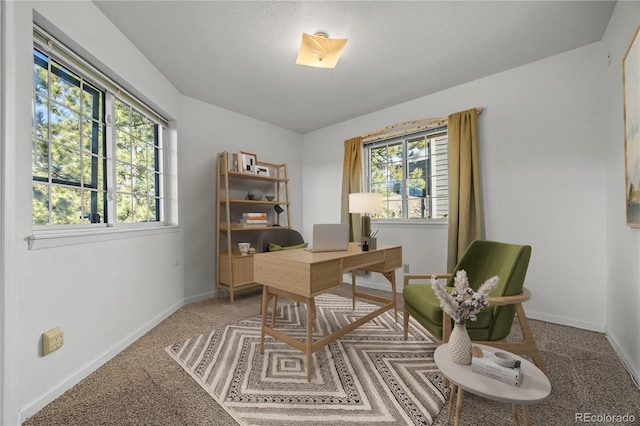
(463, 303)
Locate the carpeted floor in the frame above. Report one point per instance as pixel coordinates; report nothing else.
(143, 386)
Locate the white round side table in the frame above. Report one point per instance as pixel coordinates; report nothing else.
(534, 388)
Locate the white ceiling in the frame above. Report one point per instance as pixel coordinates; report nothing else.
(240, 55)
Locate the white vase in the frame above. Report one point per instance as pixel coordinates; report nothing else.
(460, 344)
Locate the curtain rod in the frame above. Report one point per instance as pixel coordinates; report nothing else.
(407, 127)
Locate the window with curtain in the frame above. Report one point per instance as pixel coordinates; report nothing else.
(411, 171)
(96, 151)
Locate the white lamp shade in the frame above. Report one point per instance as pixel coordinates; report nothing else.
(365, 202)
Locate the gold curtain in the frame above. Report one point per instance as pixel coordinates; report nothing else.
(465, 212)
(351, 182)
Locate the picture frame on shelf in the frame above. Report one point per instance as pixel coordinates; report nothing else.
(631, 94)
(248, 162)
(262, 171)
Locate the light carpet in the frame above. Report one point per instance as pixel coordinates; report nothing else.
(371, 375)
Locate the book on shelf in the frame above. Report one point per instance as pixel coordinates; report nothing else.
(254, 216)
(487, 366)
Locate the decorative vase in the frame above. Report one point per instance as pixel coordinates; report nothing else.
(460, 344)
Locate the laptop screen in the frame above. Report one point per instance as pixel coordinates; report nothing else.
(330, 237)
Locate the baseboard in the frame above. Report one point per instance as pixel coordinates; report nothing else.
(38, 404)
(543, 316)
(199, 297)
(627, 361)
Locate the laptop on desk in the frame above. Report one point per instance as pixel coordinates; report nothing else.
(330, 237)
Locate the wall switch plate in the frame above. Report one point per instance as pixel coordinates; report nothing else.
(405, 268)
(52, 340)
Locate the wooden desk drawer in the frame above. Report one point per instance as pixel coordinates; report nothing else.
(363, 259)
(392, 260)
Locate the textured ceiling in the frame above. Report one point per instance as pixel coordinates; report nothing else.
(241, 55)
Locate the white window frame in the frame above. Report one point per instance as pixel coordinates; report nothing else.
(51, 235)
(403, 139)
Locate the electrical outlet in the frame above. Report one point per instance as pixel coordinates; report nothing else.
(52, 340)
(405, 268)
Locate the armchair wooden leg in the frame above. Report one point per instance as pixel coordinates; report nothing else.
(405, 322)
(527, 346)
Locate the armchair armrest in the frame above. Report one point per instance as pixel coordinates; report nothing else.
(408, 277)
(510, 300)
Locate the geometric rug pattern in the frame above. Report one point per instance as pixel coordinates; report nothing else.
(369, 376)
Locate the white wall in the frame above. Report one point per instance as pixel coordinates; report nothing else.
(102, 294)
(207, 130)
(623, 243)
(542, 170)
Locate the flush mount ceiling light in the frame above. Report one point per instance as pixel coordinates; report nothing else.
(320, 51)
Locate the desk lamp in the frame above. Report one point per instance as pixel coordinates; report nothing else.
(365, 203)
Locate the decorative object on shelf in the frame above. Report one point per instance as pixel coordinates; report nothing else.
(270, 197)
(254, 194)
(365, 203)
(461, 305)
(278, 210)
(262, 171)
(248, 162)
(244, 248)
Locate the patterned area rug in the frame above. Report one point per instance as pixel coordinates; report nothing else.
(371, 375)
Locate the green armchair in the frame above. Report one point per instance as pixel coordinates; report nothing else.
(482, 260)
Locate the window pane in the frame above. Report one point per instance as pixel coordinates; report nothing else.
(416, 148)
(65, 125)
(92, 102)
(41, 74)
(66, 205)
(123, 119)
(65, 164)
(93, 172)
(40, 202)
(154, 208)
(65, 86)
(417, 208)
(41, 119)
(139, 180)
(140, 208)
(123, 146)
(40, 158)
(123, 175)
(125, 210)
(139, 152)
(93, 137)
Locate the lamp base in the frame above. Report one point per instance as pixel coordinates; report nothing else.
(365, 225)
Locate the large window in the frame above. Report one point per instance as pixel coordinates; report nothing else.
(412, 174)
(97, 154)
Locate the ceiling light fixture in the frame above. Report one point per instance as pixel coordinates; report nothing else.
(320, 51)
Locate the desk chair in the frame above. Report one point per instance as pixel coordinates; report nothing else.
(482, 260)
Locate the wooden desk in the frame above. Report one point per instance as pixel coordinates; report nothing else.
(300, 275)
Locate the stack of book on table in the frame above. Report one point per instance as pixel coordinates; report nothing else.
(487, 366)
(253, 219)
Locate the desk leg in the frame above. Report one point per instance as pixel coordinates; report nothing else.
(310, 315)
(353, 289)
(391, 277)
(265, 304)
